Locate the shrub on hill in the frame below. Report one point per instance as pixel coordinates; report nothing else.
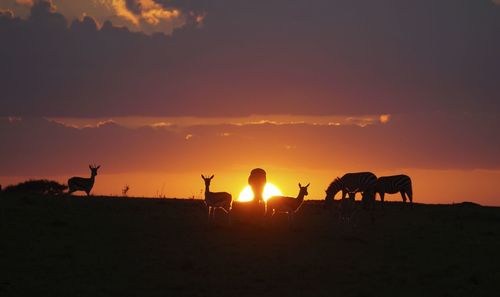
(40, 186)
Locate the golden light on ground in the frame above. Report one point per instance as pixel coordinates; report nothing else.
(269, 191)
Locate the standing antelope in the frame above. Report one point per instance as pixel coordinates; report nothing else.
(392, 185)
(215, 200)
(289, 205)
(359, 181)
(82, 183)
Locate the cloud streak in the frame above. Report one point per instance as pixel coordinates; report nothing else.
(275, 120)
(426, 141)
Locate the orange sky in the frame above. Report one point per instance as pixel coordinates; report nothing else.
(430, 186)
(167, 160)
(158, 92)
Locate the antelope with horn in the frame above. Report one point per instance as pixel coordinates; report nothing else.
(288, 205)
(82, 183)
(214, 200)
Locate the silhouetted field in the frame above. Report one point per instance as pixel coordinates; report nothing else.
(59, 246)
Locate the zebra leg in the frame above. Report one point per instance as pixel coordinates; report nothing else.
(382, 196)
(410, 196)
(403, 196)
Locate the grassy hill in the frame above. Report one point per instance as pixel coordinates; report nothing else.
(102, 246)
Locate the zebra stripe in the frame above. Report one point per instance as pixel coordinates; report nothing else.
(394, 184)
(351, 183)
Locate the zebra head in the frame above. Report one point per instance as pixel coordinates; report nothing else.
(333, 189)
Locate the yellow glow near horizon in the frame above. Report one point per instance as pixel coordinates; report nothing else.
(270, 190)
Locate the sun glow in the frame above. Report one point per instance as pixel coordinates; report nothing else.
(269, 191)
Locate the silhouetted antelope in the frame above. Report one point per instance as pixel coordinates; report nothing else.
(392, 185)
(288, 205)
(82, 183)
(215, 200)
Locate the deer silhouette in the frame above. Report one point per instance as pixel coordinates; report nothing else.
(82, 183)
(215, 200)
(288, 205)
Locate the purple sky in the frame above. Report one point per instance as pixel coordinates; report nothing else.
(432, 66)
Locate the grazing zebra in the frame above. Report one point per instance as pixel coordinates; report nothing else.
(392, 185)
(82, 183)
(215, 200)
(350, 183)
(288, 205)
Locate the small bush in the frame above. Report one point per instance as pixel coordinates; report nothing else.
(40, 186)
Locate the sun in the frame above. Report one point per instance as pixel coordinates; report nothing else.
(270, 190)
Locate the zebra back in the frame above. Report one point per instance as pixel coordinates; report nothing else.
(393, 184)
(358, 181)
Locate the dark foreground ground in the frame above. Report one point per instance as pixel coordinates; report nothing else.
(160, 247)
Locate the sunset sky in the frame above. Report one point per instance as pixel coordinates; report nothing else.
(161, 91)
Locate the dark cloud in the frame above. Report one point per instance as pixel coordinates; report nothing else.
(86, 26)
(289, 57)
(196, 6)
(6, 14)
(133, 6)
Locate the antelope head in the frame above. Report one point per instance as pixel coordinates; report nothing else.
(207, 180)
(303, 190)
(93, 169)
